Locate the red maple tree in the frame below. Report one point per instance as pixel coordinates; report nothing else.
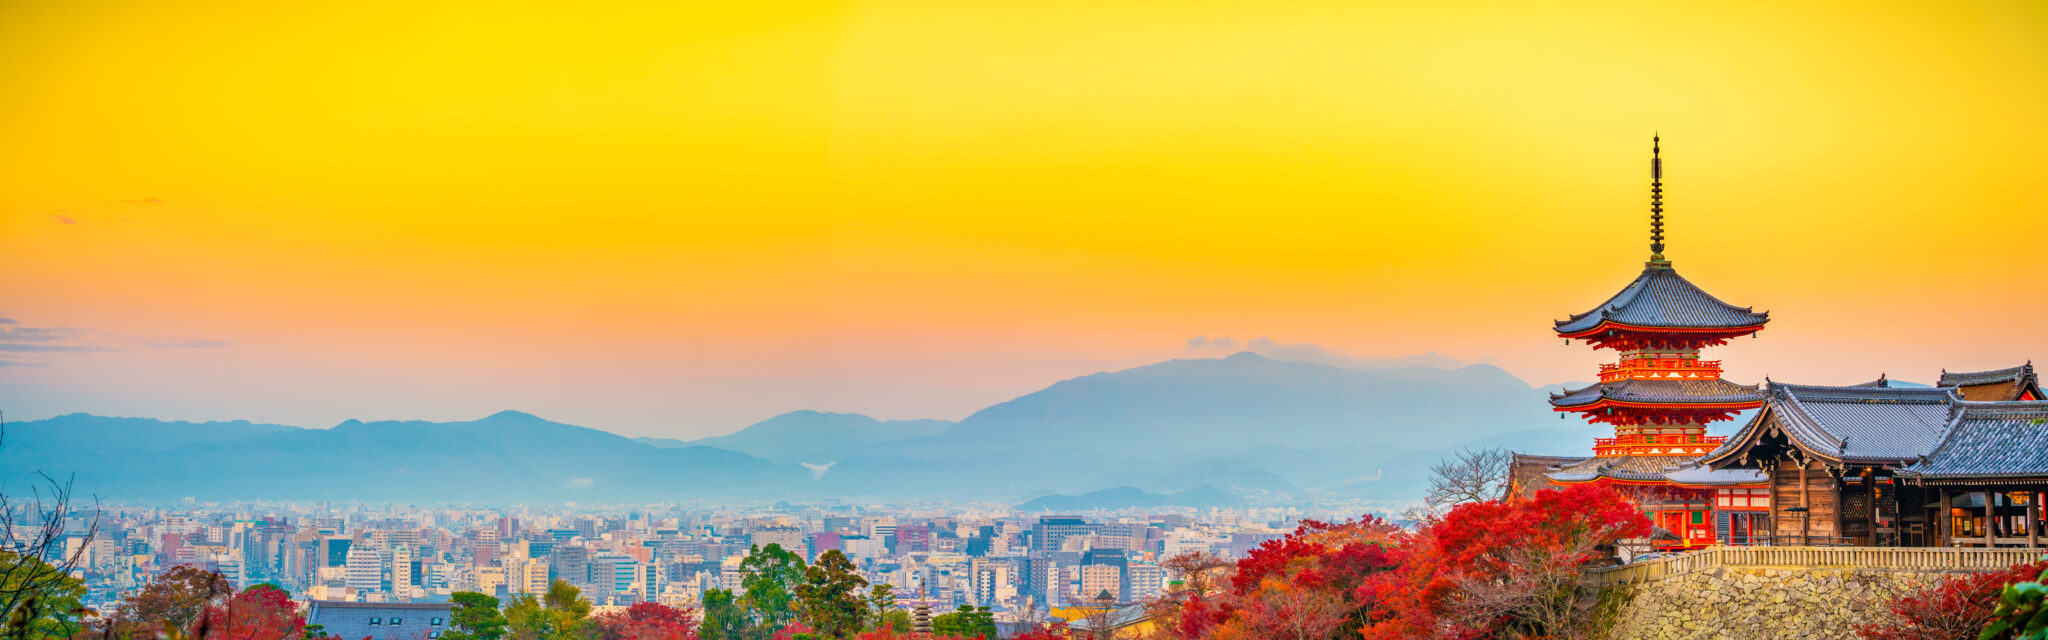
(647, 621)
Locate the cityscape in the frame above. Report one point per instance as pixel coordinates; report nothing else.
(1062, 320)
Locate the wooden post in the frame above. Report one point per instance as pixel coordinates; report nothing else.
(1946, 522)
(1990, 519)
(1805, 509)
(2033, 526)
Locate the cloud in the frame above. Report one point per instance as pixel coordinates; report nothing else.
(172, 343)
(13, 347)
(63, 219)
(1226, 343)
(582, 483)
(16, 338)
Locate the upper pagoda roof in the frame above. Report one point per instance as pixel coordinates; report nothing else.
(1662, 299)
(1989, 440)
(1860, 424)
(1713, 391)
(2016, 383)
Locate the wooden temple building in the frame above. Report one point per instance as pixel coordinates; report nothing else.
(1883, 465)
(1963, 463)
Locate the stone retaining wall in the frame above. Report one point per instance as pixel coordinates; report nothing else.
(1745, 603)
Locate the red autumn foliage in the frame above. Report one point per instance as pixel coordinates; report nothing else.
(1487, 569)
(647, 621)
(1955, 607)
(261, 612)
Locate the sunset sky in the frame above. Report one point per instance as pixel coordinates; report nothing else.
(677, 218)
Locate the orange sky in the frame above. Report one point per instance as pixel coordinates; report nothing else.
(670, 219)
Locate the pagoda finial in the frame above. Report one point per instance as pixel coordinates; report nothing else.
(1657, 260)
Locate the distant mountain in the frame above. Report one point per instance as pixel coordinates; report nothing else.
(507, 457)
(1241, 428)
(812, 436)
(1204, 497)
(1214, 406)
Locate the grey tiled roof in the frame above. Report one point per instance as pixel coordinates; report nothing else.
(1662, 391)
(1870, 424)
(1621, 468)
(1968, 378)
(1661, 298)
(1697, 474)
(1990, 440)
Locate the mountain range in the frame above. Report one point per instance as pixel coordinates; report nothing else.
(1209, 431)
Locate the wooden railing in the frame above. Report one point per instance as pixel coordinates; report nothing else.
(1911, 559)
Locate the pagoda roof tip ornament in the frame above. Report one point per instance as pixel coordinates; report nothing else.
(1657, 260)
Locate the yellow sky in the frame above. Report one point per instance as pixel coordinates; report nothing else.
(672, 218)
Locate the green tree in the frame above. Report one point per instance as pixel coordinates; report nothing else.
(724, 618)
(880, 601)
(475, 617)
(770, 577)
(558, 615)
(829, 599)
(45, 600)
(966, 622)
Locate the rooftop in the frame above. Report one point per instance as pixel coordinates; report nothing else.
(1990, 440)
(1662, 299)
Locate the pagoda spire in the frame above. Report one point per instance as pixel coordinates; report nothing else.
(1657, 260)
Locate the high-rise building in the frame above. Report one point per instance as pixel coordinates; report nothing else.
(1052, 531)
(571, 564)
(365, 569)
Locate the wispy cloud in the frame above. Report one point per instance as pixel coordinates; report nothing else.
(63, 219)
(18, 338)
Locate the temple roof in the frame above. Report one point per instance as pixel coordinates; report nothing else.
(1715, 391)
(1989, 440)
(1995, 376)
(1661, 299)
(2021, 383)
(1861, 424)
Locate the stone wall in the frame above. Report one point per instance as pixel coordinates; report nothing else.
(1745, 603)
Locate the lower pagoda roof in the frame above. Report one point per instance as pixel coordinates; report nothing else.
(1654, 469)
(1655, 392)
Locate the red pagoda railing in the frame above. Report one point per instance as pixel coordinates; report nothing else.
(1660, 368)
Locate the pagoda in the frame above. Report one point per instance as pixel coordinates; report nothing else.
(1659, 395)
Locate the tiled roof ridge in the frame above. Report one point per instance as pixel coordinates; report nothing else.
(2006, 408)
(1963, 378)
(1926, 395)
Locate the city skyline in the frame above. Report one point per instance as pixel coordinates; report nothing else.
(677, 221)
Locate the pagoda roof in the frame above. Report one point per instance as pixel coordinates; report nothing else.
(1662, 299)
(1682, 471)
(1711, 391)
(1989, 440)
(1620, 468)
(1860, 424)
